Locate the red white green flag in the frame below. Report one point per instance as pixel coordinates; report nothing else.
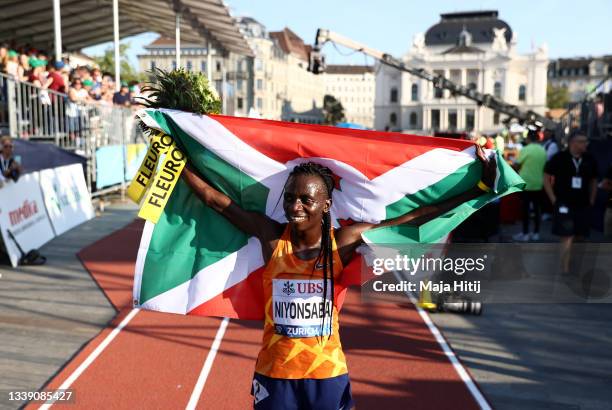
(193, 261)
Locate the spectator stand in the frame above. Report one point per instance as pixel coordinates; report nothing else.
(30, 112)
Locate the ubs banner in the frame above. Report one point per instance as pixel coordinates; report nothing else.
(22, 211)
(66, 197)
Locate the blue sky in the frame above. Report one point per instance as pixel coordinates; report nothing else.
(570, 28)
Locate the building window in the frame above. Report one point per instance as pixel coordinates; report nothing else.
(259, 103)
(189, 65)
(413, 120)
(414, 92)
(452, 119)
(203, 66)
(259, 84)
(469, 120)
(393, 95)
(438, 92)
(258, 64)
(393, 119)
(496, 118)
(152, 65)
(435, 119)
(239, 84)
(239, 103)
(522, 92)
(174, 64)
(218, 66)
(239, 66)
(497, 91)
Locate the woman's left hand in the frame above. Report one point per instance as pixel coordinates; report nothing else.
(489, 167)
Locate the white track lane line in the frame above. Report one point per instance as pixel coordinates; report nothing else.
(463, 374)
(93, 355)
(210, 358)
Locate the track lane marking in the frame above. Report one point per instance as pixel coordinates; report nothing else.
(463, 374)
(93, 355)
(210, 358)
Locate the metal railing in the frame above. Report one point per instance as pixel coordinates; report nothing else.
(31, 112)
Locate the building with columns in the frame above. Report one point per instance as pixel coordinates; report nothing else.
(354, 86)
(161, 53)
(474, 49)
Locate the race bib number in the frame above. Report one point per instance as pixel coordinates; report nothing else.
(298, 308)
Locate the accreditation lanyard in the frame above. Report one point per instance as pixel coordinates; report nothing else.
(577, 165)
(5, 163)
(577, 180)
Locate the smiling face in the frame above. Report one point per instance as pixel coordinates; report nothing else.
(305, 200)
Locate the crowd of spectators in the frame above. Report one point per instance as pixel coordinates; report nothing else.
(82, 84)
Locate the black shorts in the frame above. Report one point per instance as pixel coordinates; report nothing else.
(575, 222)
(302, 394)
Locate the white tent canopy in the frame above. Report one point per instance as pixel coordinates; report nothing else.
(88, 22)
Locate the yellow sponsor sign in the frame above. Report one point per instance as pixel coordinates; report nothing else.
(160, 143)
(163, 184)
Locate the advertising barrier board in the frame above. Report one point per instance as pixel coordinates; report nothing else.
(22, 211)
(66, 197)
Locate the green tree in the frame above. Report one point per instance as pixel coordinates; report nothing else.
(333, 109)
(107, 64)
(557, 97)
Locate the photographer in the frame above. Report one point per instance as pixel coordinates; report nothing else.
(9, 165)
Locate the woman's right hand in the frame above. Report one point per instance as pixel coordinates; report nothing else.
(489, 167)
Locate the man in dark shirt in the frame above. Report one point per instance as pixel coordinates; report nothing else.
(607, 185)
(123, 96)
(9, 167)
(570, 183)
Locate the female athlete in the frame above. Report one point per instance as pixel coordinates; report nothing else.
(301, 364)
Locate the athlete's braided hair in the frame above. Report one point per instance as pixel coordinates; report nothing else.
(326, 255)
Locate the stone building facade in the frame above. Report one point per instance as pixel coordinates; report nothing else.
(474, 49)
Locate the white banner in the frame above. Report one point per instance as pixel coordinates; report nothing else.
(22, 211)
(66, 197)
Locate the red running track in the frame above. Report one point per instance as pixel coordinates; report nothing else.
(155, 360)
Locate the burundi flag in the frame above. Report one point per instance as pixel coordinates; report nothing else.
(193, 261)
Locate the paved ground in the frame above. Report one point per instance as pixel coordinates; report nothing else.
(528, 357)
(537, 356)
(47, 313)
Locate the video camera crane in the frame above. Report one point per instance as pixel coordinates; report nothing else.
(317, 66)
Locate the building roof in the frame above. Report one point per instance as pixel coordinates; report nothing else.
(479, 23)
(349, 69)
(579, 62)
(291, 43)
(165, 42)
(463, 49)
(89, 22)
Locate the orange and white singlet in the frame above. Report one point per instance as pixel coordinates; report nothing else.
(295, 344)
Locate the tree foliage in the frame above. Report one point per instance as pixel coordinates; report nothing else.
(333, 110)
(106, 63)
(557, 97)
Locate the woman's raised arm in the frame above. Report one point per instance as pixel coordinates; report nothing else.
(255, 224)
(349, 237)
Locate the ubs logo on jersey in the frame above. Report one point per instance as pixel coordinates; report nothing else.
(288, 288)
(310, 287)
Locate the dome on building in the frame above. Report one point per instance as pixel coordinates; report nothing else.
(479, 24)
